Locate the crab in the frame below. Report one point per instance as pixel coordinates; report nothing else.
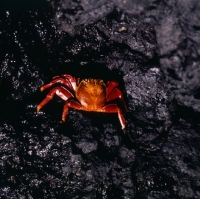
(94, 95)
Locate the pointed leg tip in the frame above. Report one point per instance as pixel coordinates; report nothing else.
(123, 127)
(38, 109)
(41, 89)
(63, 119)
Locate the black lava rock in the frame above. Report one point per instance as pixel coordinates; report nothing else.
(151, 48)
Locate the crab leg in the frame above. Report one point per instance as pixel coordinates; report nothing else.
(58, 80)
(110, 86)
(113, 108)
(116, 93)
(72, 104)
(60, 91)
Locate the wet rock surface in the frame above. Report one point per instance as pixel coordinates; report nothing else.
(151, 48)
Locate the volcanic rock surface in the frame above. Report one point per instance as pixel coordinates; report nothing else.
(152, 48)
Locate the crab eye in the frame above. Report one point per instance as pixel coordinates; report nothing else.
(85, 80)
(101, 81)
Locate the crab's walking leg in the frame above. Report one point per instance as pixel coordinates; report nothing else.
(110, 86)
(113, 108)
(60, 91)
(72, 104)
(116, 93)
(58, 80)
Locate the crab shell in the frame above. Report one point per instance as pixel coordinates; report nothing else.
(92, 95)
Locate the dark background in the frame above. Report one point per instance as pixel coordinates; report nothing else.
(151, 48)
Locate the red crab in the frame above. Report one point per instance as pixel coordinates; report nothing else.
(93, 95)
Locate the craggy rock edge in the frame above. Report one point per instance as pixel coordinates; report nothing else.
(157, 156)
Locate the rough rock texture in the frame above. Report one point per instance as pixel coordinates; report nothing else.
(151, 48)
